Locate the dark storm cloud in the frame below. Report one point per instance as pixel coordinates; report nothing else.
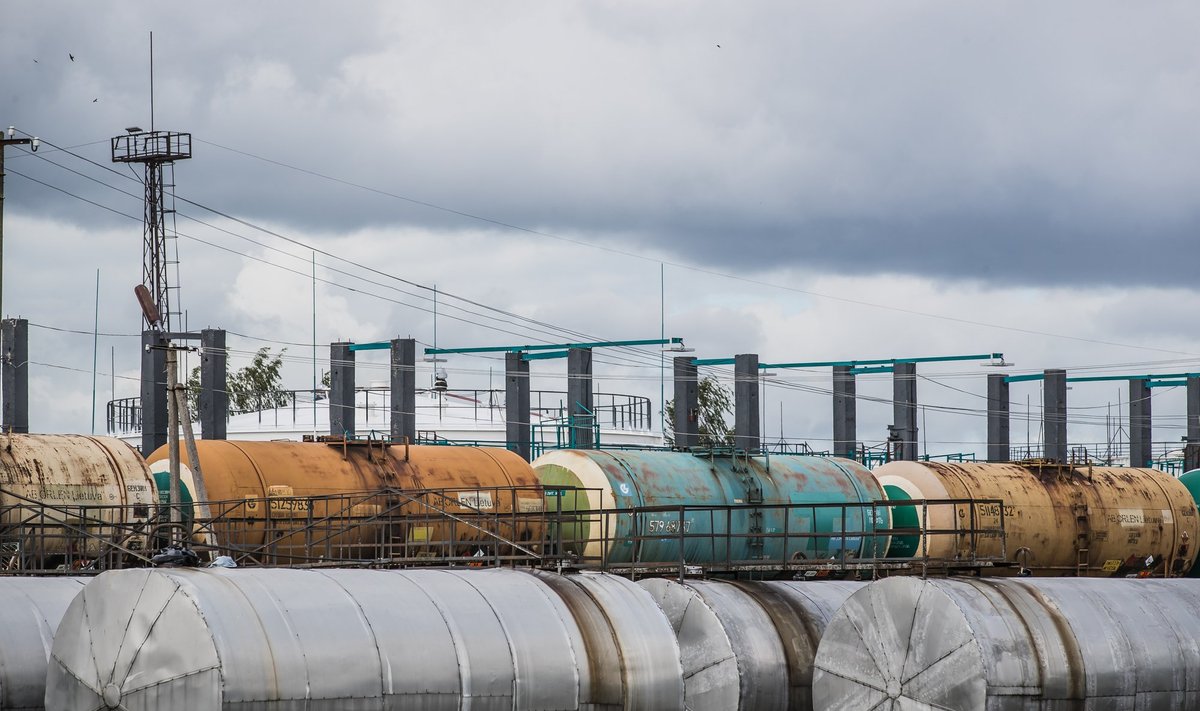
(1010, 143)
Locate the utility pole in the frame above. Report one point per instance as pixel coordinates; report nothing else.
(6, 140)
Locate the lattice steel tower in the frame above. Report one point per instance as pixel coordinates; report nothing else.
(158, 151)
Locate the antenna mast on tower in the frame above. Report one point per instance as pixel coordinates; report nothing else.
(156, 150)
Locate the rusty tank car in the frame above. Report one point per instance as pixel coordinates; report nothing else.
(812, 508)
(267, 496)
(1057, 519)
(61, 495)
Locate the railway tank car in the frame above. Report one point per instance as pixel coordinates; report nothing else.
(1191, 481)
(56, 490)
(616, 480)
(277, 482)
(1058, 520)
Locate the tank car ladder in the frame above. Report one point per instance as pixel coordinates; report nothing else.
(1083, 534)
(754, 495)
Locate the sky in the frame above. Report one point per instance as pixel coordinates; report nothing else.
(801, 180)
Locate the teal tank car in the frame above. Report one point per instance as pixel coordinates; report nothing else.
(729, 512)
(1191, 481)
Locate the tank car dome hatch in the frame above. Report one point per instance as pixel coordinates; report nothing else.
(1191, 482)
(748, 645)
(625, 479)
(206, 639)
(1012, 643)
(1058, 520)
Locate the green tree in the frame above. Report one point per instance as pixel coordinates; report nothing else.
(715, 405)
(256, 387)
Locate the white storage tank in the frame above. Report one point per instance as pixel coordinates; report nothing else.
(273, 639)
(30, 610)
(1025, 644)
(749, 645)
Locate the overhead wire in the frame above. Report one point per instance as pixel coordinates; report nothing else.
(541, 325)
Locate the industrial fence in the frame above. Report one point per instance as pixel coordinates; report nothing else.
(552, 528)
(615, 411)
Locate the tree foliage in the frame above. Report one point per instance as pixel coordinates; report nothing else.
(715, 406)
(256, 387)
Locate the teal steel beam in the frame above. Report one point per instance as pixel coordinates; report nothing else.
(1024, 378)
(545, 355)
(377, 346)
(1167, 384)
(1153, 376)
(1107, 378)
(858, 363)
(556, 346)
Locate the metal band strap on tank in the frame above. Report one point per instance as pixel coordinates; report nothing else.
(970, 494)
(115, 466)
(633, 482)
(1171, 551)
(262, 481)
(499, 465)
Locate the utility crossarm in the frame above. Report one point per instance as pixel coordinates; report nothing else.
(556, 346)
(859, 363)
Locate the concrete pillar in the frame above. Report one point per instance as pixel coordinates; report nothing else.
(687, 403)
(341, 389)
(845, 412)
(1191, 451)
(154, 392)
(516, 404)
(1054, 415)
(16, 375)
(1140, 450)
(904, 410)
(579, 397)
(403, 415)
(214, 396)
(998, 420)
(746, 429)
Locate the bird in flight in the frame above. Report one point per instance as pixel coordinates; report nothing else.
(94, 100)
(71, 56)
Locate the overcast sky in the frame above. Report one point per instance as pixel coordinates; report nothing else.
(879, 180)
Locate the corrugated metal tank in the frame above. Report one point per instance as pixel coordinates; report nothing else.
(749, 645)
(71, 471)
(30, 610)
(1191, 482)
(275, 639)
(235, 471)
(1057, 519)
(620, 479)
(1013, 643)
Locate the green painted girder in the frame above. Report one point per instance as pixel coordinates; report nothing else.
(858, 363)
(376, 346)
(1153, 378)
(556, 346)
